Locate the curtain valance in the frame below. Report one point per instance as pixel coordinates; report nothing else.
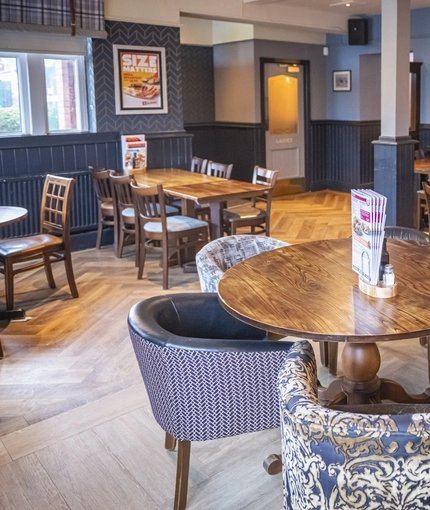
(81, 17)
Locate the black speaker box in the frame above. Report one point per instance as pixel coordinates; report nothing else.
(357, 32)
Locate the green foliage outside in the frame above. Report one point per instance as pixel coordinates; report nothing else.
(53, 116)
(10, 120)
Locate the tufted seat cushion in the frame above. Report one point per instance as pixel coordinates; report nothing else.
(175, 224)
(28, 244)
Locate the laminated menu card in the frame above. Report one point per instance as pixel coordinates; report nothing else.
(368, 223)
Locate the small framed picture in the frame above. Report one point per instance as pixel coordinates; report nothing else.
(342, 81)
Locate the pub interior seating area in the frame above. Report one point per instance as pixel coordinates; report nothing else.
(213, 337)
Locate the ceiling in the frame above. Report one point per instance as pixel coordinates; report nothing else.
(357, 7)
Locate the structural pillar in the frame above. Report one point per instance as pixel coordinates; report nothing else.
(394, 150)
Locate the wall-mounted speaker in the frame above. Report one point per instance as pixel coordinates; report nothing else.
(358, 32)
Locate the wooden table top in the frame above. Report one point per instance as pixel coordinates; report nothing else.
(310, 291)
(198, 187)
(422, 166)
(10, 214)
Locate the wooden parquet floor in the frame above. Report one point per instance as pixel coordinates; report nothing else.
(76, 428)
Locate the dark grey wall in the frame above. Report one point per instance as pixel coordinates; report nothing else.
(137, 35)
(198, 84)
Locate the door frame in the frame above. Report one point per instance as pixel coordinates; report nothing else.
(306, 105)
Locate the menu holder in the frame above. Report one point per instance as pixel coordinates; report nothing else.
(376, 290)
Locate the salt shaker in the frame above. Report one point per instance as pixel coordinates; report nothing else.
(388, 276)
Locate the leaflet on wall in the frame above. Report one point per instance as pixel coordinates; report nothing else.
(140, 80)
(133, 152)
(368, 224)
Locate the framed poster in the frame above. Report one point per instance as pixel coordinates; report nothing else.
(140, 80)
(342, 81)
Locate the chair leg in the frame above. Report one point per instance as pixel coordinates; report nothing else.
(70, 275)
(169, 442)
(8, 277)
(142, 257)
(121, 236)
(48, 271)
(182, 471)
(165, 259)
(99, 234)
(1, 351)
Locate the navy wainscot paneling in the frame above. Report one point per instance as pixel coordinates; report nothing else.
(229, 142)
(25, 161)
(342, 154)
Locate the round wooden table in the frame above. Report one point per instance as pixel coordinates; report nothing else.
(10, 214)
(310, 291)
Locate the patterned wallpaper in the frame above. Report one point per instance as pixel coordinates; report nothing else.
(198, 84)
(137, 35)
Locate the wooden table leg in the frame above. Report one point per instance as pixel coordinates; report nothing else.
(216, 220)
(361, 384)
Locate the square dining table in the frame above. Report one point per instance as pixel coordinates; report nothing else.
(193, 187)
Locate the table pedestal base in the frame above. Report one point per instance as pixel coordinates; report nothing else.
(361, 385)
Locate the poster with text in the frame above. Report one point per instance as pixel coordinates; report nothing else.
(140, 80)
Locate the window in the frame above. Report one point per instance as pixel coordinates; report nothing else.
(41, 94)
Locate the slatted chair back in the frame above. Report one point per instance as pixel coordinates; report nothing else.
(121, 190)
(219, 169)
(56, 205)
(150, 204)
(199, 165)
(102, 184)
(265, 177)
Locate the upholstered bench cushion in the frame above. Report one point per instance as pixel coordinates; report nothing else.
(27, 244)
(176, 224)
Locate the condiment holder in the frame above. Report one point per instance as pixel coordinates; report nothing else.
(376, 290)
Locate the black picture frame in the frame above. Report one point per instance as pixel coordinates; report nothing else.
(342, 81)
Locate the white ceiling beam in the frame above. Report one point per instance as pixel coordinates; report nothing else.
(277, 14)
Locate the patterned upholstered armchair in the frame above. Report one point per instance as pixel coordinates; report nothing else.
(216, 257)
(207, 374)
(343, 460)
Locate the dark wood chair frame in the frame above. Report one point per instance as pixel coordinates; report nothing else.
(54, 240)
(150, 206)
(103, 189)
(199, 165)
(124, 227)
(219, 169)
(259, 224)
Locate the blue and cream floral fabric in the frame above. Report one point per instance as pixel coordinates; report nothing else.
(335, 460)
(215, 258)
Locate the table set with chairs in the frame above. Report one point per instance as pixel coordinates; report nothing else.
(187, 207)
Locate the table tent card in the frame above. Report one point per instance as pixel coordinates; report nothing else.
(368, 224)
(133, 152)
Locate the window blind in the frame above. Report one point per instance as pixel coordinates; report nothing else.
(76, 17)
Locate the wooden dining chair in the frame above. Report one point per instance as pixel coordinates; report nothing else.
(176, 233)
(219, 170)
(124, 216)
(199, 165)
(51, 245)
(247, 214)
(103, 189)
